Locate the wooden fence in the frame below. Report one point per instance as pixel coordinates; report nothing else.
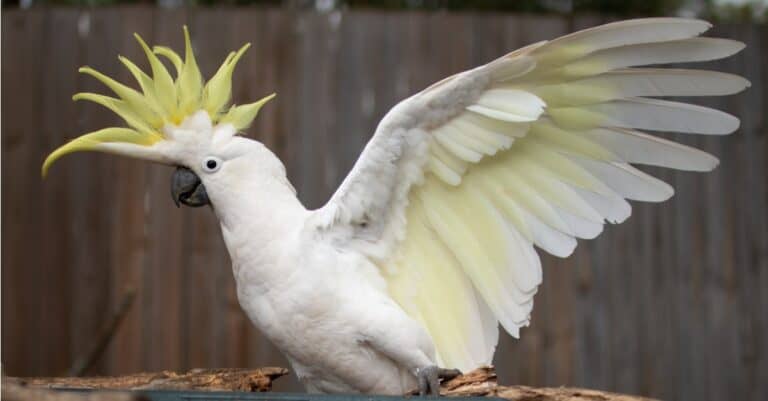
(672, 304)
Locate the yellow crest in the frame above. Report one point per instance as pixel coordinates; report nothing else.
(162, 99)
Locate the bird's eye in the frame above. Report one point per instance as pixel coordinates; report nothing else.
(211, 164)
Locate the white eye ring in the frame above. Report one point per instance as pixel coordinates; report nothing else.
(211, 164)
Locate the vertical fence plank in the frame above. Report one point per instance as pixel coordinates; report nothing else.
(89, 214)
(62, 45)
(355, 90)
(130, 241)
(761, 323)
(23, 37)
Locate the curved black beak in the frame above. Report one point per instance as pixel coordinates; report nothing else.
(187, 188)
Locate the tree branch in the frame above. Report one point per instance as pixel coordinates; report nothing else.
(477, 383)
(13, 391)
(482, 383)
(253, 380)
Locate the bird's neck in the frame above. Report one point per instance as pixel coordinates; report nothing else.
(260, 218)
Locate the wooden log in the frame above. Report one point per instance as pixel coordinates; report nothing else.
(253, 380)
(477, 383)
(13, 391)
(482, 383)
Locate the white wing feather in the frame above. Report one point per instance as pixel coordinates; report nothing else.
(462, 180)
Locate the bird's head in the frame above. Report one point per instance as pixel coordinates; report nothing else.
(184, 122)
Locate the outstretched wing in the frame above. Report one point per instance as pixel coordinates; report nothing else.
(460, 181)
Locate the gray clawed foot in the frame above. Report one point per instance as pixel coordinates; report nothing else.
(430, 377)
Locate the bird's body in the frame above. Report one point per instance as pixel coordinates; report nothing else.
(323, 322)
(331, 330)
(326, 308)
(428, 244)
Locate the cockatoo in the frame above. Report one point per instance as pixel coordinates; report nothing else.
(429, 244)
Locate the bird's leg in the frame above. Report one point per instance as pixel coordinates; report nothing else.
(429, 378)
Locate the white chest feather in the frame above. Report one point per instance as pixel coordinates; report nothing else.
(316, 305)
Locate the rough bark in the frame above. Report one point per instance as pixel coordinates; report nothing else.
(13, 391)
(478, 383)
(482, 383)
(196, 379)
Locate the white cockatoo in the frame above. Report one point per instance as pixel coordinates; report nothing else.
(429, 243)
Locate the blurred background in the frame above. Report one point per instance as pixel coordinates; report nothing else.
(101, 274)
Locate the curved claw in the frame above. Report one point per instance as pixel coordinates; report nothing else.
(448, 374)
(429, 379)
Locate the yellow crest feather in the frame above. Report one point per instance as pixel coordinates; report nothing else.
(241, 116)
(171, 55)
(89, 141)
(162, 99)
